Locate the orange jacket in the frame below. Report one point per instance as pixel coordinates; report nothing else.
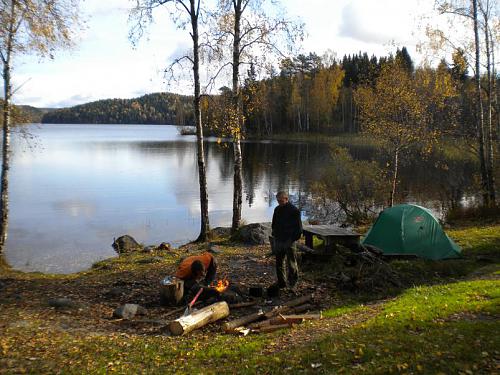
(184, 270)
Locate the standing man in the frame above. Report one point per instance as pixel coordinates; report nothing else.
(286, 229)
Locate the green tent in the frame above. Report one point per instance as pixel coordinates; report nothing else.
(407, 229)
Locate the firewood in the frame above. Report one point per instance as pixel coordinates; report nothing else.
(258, 325)
(232, 325)
(242, 304)
(199, 318)
(301, 308)
(288, 305)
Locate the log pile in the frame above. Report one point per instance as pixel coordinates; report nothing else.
(365, 270)
(279, 317)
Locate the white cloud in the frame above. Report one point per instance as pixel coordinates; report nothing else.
(105, 65)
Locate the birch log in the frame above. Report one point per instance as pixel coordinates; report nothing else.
(199, 318)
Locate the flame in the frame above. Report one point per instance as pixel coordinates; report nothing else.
(220, 285)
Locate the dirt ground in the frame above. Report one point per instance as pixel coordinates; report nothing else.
(110, 284)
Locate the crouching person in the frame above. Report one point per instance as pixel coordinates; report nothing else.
(197, 271)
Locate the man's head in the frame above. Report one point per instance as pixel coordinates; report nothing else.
(282, 198)
(197, 269)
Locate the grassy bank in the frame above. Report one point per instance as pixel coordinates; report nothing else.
(443, 319)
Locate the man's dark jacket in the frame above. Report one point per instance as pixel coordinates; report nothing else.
(287, 224)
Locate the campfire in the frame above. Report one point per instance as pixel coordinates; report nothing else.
(220, 285)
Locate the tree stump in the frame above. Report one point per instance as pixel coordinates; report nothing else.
(171, 291)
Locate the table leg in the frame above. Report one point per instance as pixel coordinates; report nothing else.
(309, 240)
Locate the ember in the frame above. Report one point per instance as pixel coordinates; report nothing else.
(220, 285)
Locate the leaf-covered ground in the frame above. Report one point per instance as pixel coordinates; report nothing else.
(444, 319)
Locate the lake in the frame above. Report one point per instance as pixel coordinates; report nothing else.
(75, 188)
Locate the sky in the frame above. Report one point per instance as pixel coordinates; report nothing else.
(104, 64)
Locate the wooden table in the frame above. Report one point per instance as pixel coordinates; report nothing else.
(331, 235)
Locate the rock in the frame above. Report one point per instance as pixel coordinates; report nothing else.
(255, 234)
(126, 244)
(220, 232)
(149, 249)
(214, 249)
(164, 246)
(128, 311)
(63, 303)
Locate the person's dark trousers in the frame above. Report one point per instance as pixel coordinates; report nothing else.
(286, 266)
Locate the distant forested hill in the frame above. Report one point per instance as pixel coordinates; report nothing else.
(158, 108)
(24, 114)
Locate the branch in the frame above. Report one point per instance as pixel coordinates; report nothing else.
(213, 78)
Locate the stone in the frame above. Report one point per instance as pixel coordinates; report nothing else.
(149, 249)
(255, 234)
(164, 246)
(126, 244)
(219, 232)
(214, 249)
(128, 311)
(63, 303)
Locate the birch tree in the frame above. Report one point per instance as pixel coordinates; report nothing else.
(246, 29)
(480, 17)
(26, 27)
(184, 12)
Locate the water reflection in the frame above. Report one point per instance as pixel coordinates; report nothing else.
(87, 184)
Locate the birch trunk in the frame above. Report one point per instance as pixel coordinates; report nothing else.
(480, 124)
(202, 176)
(237, 179)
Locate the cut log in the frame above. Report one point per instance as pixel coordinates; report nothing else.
(199, 318)
(259, 325)
(242, 304)
(301, 308)
(233, 324)
(288, 305)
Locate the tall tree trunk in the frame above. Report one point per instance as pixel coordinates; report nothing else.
(394, 177)
(4, 180)
(202, 176)
(489, 128)
(237, 179)
(480, 125)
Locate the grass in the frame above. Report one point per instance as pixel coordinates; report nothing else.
(443, 320)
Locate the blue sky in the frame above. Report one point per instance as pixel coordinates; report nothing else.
(104, 63)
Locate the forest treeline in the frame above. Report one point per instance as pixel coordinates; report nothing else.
(318, 94)
(157, 108)
(309, 94)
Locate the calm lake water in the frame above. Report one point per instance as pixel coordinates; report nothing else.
(79, 186)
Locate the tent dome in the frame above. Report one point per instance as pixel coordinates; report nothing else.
(408, 229)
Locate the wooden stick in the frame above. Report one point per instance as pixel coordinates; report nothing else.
(288, 305)
(232, 325)
(242, 304)
(178, 310)
(302, 308)
(199, 318)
